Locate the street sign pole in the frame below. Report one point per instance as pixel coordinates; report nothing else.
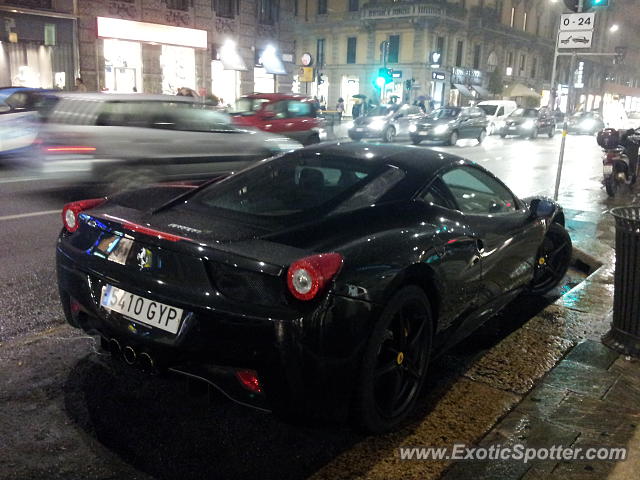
(552, 97)
(565, 124)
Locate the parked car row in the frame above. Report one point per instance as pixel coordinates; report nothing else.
(450, 124)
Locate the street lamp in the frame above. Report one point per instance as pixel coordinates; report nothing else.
(614, 28)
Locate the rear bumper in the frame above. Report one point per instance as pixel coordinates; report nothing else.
(306, 365)
(430, 135)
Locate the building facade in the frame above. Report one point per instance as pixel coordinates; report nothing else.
(452, 51)
(224, 47)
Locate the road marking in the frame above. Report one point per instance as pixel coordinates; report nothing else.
(21, 179)
(26, 215)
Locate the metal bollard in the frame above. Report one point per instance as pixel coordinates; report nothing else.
(624, 335)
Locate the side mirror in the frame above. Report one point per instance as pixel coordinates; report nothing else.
(541, 208)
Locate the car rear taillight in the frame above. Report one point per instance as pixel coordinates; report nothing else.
(249, 380)
(71, 211)
(308, 276)
(152, 232)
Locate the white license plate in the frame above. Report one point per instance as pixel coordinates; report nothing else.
(359, 129)
(607, 169)
(140, 309)
(513, 128)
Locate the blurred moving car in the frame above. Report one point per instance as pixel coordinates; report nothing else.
(129, 139)
(276, 284)
(295, 116)
(585, 123)
(496, 112)
(449, 124)
(19, 118)
(385, 122)
(529, 122)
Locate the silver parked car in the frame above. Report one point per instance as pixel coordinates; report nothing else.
(130, 139)
(385, 122)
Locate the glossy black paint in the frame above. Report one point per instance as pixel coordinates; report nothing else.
(231, 278)
(468, 122)
(542, 122)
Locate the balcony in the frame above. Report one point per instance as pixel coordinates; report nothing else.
(393, 10)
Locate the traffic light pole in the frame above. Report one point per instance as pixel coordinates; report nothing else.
(565, 124)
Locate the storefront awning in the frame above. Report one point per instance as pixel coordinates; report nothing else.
(463, 90)
(482, 92)
(271, 62)
(232, 61)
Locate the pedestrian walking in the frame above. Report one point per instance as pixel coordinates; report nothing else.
(340, 108)
(356, 110)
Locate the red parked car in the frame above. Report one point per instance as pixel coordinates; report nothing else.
(295, 116)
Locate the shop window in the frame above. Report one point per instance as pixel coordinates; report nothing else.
(394, 49)
(183, 5)
(268, 11)
(352, 42)
(354, 5)
(225, 8)
(322, 7)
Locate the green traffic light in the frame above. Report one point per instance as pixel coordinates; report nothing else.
(381, 82)
(600, 3)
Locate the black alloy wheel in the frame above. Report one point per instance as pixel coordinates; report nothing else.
(395, 362)
(552, 261)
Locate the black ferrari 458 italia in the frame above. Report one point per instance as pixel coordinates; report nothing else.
(317, 283)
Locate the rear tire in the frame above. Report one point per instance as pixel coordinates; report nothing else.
(394, 362)
(312, 139)
(552, 260)
(611, 185)
(388, 135)
(453, 139)
(481, 137)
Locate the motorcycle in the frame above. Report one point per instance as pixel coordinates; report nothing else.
(620, 162)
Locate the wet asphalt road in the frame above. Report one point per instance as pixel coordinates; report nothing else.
(163, 428)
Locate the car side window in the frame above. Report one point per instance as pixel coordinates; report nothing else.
(278, 108)
(436, 194)
(500, 112)
(18, 101)
(478, 193)
(297, 109)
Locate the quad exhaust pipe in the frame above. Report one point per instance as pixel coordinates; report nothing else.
(143, 360)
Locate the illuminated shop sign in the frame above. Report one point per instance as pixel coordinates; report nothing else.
(151, 32)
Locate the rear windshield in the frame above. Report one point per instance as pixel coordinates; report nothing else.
(247, 106)
(489, 109)
(525, 112)
(444, 113)
(300, 185)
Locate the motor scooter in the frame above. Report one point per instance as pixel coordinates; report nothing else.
(620, 161)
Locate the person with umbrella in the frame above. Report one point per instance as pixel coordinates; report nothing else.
(356, 110)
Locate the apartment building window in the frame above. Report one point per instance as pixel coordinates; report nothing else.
(524, 22)
(523, 63)
(354, 5)
(268, 11)
(322, 7)
(440, 48)
(459, 51)
(477, 52)
(352, 43)
(513, 16)
(394, 49)
(534, 67)
(320, 52)
(510, 59)
(225, 8)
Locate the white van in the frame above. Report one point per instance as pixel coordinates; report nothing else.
(497, 111)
